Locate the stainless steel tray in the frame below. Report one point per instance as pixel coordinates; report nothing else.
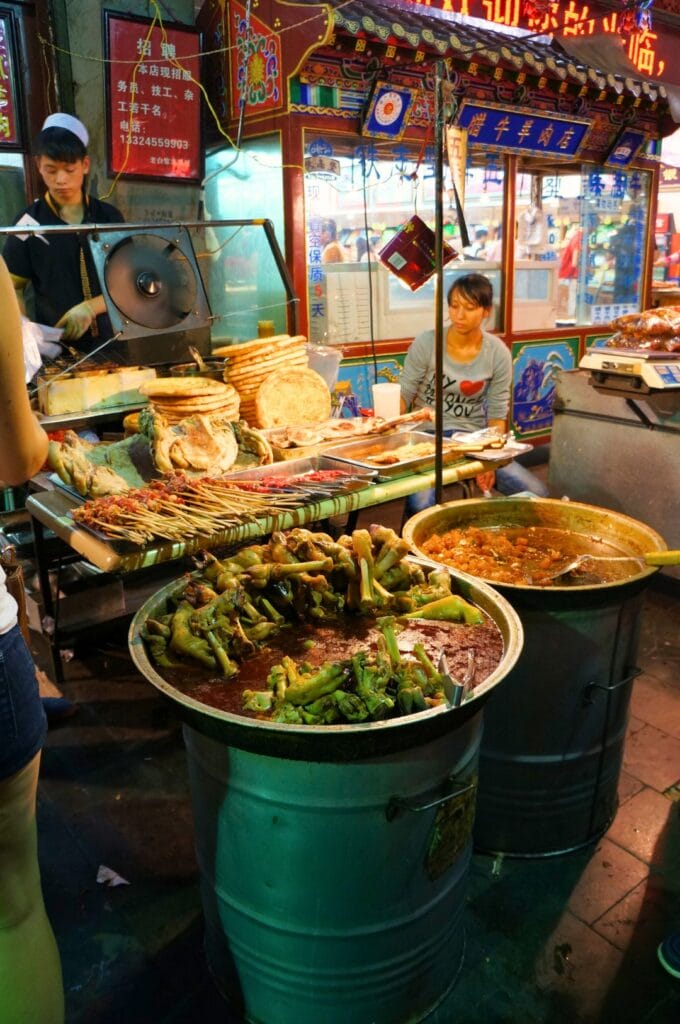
(90, 417)
(354, 478)
(358, 453)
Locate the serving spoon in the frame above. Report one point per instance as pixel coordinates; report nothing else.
(670, 557)
(197, 358)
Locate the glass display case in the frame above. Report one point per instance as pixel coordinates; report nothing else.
(237, 263)
(354, 298)
(357, 196)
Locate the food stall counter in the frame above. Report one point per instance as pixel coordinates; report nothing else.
(50, 509)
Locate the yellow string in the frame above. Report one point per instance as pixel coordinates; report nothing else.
(158, 20)
(133, 93)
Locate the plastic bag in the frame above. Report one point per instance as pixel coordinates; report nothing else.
(325, 361)
(39, 341)
(32, 359)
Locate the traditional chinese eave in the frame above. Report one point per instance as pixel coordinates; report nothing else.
(424, 36)
(347, 45)
(404, 44)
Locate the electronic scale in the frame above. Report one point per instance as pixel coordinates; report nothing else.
(632, 371)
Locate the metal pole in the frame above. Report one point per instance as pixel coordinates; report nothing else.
(439, 279)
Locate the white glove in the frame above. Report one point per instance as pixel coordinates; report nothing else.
(76, 321)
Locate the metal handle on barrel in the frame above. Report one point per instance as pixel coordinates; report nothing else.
(397, 804)
(587, 699)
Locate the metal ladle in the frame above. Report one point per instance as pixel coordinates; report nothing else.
(197, 358)
(671, 557)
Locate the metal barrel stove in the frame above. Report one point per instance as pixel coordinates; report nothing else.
(334, 859)
(553, 739)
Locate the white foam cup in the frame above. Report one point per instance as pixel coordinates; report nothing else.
(386, 399)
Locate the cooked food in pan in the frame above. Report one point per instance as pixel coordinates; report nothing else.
(526, 555)
(404, 453)
(306, 630)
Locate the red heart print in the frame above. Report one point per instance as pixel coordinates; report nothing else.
(471, 387)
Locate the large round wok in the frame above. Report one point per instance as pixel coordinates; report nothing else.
(333, 742)
(600, 526)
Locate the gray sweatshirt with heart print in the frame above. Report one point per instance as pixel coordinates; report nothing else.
(473, 392)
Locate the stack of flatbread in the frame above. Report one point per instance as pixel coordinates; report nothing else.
(250, 363)
(177, 398)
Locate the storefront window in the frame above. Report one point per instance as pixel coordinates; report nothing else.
(579, 246)
(358, 194)
(237, 264)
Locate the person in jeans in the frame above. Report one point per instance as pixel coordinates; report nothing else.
(30, 972)
(477, 374)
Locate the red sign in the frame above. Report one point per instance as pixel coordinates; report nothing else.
(153, 99)
(8, 124)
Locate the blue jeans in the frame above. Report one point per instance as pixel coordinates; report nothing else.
(23, 725)
(509, 480)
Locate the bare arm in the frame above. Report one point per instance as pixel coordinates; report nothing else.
(23, 442)
(500, 425)
(19, 284)
(485, 481)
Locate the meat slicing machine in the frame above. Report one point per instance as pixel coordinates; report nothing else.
(154, 293)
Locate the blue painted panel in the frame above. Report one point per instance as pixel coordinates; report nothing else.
(534, 369)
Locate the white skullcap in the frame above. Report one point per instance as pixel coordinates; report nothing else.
(70, 123)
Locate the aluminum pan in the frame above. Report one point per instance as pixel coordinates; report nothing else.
(355, 452)
(313, 464)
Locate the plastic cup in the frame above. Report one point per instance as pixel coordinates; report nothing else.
(386, 398)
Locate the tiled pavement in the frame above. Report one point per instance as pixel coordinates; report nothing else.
(559, 940)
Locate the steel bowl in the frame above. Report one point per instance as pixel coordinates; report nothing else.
(333, 742)
(600, 525)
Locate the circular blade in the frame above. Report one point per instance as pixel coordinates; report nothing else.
(150, 281)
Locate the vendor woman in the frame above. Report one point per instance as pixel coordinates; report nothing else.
(60, 266)
(477, 374)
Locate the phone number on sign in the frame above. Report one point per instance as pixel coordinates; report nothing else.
(156, 143)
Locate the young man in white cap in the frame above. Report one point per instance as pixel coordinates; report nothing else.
(59, 266)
